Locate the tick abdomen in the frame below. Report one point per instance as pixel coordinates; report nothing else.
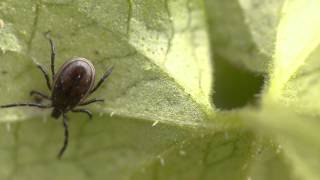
(72, 84)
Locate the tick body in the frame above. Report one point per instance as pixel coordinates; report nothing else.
(69, 88)
(72, 85)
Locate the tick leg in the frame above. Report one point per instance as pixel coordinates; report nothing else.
(104, 77)
(53, 53)
(83, 111)
(46, 75)
(25, 104)
(66, 136)
(90, 101)
(32, 93)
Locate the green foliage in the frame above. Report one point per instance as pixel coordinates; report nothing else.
(159, 120)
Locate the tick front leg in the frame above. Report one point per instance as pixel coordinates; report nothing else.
(33, 92)
(66, 135)
(104, 77)
(91, 101)
(25, 104)
(45, 74)
(53, 53)
(83, 111)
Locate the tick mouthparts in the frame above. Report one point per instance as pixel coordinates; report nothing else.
(56, 113)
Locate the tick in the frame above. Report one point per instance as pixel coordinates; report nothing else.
(70, 88)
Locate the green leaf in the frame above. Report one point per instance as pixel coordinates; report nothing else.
(8, 41)
(243, 31)
(290, 104)
(296, 47)
(269, 161)
(297, 137)
(157, 99)
(175, 41)
(158, 121)
(262, 17)
(123, 148)
(148, 81)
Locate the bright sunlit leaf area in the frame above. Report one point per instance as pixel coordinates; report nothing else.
(201, 89)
